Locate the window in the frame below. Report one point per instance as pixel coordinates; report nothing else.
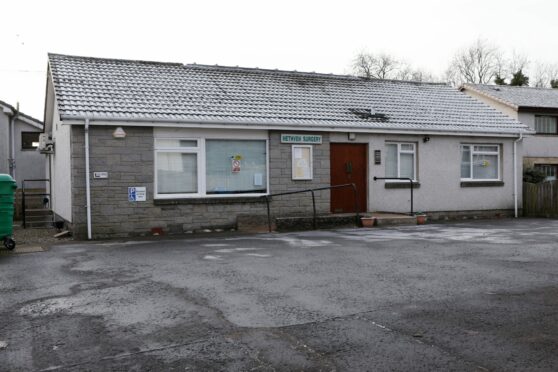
(302, 162)
(401, 160)
(235, 167)
(29, 140)
(546, 125)
(551, 170)
(210, 167)
(480, 162)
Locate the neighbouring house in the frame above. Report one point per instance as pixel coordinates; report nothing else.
(19, 139)
(142, 147)
(534, 107)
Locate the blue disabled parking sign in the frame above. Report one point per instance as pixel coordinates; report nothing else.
(136, 194)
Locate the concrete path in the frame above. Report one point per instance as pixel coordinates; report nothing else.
(472, 296)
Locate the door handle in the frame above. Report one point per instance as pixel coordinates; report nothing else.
(349, 167)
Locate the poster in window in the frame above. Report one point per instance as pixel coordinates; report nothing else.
(302, 162)
(235, 166)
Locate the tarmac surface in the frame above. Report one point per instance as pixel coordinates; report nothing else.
(473, 296)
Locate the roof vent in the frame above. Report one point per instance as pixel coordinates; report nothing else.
(367, 113)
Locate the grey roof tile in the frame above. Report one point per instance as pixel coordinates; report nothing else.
(520, 96)
(138, 90)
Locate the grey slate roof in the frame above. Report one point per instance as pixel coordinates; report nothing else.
(518, 97)
(37, 122)
(137, 90)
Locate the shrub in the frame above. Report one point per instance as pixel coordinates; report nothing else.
(533, 175)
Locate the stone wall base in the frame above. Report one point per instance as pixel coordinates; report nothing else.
(470, 215)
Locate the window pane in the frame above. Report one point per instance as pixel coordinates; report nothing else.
(174, 143)
(485, 167)
(465, 162)
(235, 167)
(177, 173)
(487, 148)
(549, 169)
(546, 124)
(407, 165)
(29, 140)
(407, 147)
(391, 160)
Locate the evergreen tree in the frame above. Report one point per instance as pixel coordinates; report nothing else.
(519, 79)
(498, 80)
(554, 83)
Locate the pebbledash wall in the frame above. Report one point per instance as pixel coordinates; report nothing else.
(130, 162)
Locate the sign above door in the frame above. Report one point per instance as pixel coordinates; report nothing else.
(301, 138)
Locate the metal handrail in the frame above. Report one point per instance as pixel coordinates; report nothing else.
(403, 179)
(314, 216)
(23, 206)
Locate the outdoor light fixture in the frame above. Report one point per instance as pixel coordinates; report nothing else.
(426, 139)
(351, 136)
(119, 133)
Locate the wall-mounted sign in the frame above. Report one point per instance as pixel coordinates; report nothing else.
(100, 174)
(377, 157)
(137, 194)
(235, 166)
(301, 138)
(302, 162)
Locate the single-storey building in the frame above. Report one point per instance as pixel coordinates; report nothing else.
(148, 146)
(19, 139)
(534, 107)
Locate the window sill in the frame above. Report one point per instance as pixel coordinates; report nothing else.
(401, 185)
(220, 200)
(482, 183)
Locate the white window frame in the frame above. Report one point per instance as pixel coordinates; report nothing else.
(200, 151)
(546, 133)
(399, 152)
(473, 152)
(311, 177)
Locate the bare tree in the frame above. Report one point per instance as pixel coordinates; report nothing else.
(406, 72)
(543, 74)
(478, 64)
(518, 61)
(381, 66)
(385, 66)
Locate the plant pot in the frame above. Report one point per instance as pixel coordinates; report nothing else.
(368, 221)
(421, 219)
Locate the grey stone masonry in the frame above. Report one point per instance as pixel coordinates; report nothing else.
(130, 162)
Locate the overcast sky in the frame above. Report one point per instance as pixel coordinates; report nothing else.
(298, 35)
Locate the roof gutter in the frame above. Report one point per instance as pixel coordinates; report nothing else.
(220, 124)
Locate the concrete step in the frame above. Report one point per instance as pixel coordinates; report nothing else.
(392, 219)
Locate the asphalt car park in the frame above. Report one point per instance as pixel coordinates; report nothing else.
(480, 295)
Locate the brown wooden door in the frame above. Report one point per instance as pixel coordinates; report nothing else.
(348, 165)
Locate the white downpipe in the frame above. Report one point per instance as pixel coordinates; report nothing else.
(87, 181)
(515, 174)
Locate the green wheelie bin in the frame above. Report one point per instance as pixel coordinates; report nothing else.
(7, 198)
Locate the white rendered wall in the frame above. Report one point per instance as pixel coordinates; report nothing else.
(438, 172)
